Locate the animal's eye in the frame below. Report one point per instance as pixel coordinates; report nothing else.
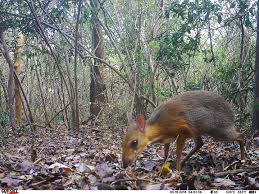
(134, 144)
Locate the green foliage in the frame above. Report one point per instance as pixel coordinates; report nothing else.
(87, 13)
(193, 85)
(162, 93)
(154, 44)
(174, 48)
(8, 15)
(226, 77)
(183, 42)
(4, 118)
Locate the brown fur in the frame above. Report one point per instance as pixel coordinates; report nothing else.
(188, 115)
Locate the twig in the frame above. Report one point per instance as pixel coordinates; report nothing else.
(45, 38)
(148, 100)
(99, 113)
(232, 164)
(224, 173)
(98, 130)
(38, 183)
(57, 113)
(132, 179)
(38, 161)
(91, 55)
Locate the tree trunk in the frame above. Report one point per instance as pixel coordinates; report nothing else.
(42, 99)
(18, 68)
(10, 88)
(97, 87)
(70, 91)
(2, 82)
(75, 99)
(256, 106)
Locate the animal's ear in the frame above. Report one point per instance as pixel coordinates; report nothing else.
(140, 120)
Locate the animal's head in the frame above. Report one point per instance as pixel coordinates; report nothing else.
(135, 140)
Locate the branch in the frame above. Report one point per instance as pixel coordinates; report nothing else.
(91, 55)
(58, 113)
(38, 22)
(149, 101)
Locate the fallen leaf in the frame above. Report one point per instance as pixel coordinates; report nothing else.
(155, 186)
(110, 157)
(211, 146)
(70, 151)
(68, 183)
(130, 174)
(104, 186)
(103, 170)
(224, 182)
(256, 141)
(92, 179)
(83, 154)
(84, 168)
(26, 177)
(108, 179)
(256, 152)
(76, 158)
(57, 166)
(174, 180)
(2, 175)
(10, 181)
(26, 165)
(150, 165)
(251, 181)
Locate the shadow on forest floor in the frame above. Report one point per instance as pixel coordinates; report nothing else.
(91, 159)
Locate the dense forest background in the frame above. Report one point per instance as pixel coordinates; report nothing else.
(75, 63)
(96, 60)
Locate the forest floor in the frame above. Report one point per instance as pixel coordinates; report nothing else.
(91, 159)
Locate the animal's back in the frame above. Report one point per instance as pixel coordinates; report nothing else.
(206, 112)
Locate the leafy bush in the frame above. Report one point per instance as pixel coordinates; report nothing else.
(4, 119)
